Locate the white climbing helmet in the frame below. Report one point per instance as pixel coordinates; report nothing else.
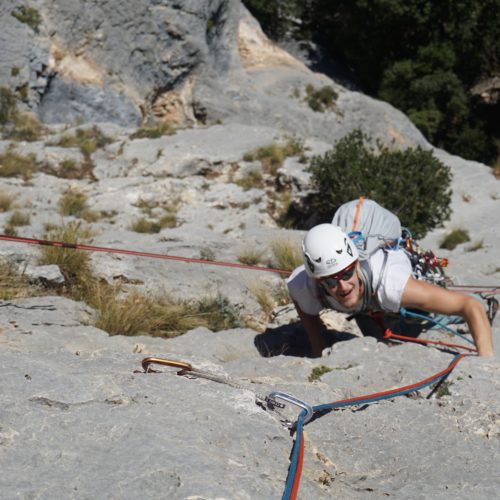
(327, 250)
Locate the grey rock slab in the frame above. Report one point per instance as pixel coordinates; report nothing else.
(80, 420)
(50, 274)
(180, 152)
(129, 432)
(71, 102)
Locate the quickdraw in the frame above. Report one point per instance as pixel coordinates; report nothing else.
(188, 370)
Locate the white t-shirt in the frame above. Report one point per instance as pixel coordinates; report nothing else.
(395, 274)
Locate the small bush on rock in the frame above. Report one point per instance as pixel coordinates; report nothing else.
(6, 201)
(153, 132)
(412, 183)
(25, 127)
(321, 99)
(19, 219)
(29, 16)
(13, 164)
(73, 202)
(273, 155)
(268, 297)
(251, 256)
(252, 179)
(136, 313)
(317, 372)
(87, 140)
(455, 238)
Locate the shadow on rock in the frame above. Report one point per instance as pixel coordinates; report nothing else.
(291, 340)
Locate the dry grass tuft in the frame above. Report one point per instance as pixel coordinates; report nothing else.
(287, 254)
(13, 284)
(6, 201)
(251, 256)
(72, 202)
(13, 164)
(269, 297)
(74, 264)
(139, 314)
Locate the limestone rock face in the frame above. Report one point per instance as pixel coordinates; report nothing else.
(110, 61)
(79, 417)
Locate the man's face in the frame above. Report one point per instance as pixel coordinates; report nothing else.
(347, 291)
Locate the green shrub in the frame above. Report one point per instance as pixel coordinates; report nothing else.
(145, 226)
(24, 127)
(217, 313)
(169, 220)
(252, 179)
(29, 16)
(317, 372)
(10, 230)
(273, 155)
(321, 99)
(87, 140)
(251, 256)
(153, 132)
(286, 254)
(455, 238)
(413, 183)
(164, 316)
(206, 253)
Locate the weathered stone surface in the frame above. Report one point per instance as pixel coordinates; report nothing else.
(82, 420)
(78, 421)
(46, 275)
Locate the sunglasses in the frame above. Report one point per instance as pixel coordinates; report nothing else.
(333, 280)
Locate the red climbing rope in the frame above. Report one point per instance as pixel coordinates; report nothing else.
(89, 248)
(389, 334)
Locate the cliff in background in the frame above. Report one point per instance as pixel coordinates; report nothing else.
(77, 421)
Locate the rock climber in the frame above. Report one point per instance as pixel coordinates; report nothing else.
(334, 277)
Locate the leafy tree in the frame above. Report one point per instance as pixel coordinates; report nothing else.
(422, 56)
(429, 91)
(413, 183)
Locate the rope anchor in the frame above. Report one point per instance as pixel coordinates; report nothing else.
(271, 401)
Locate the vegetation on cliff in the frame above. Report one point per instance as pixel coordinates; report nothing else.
(423, 57)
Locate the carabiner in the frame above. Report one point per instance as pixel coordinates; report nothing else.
(291, 399)
(184, 367)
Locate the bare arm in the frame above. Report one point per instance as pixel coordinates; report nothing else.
(315, 329)
(435, 299)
